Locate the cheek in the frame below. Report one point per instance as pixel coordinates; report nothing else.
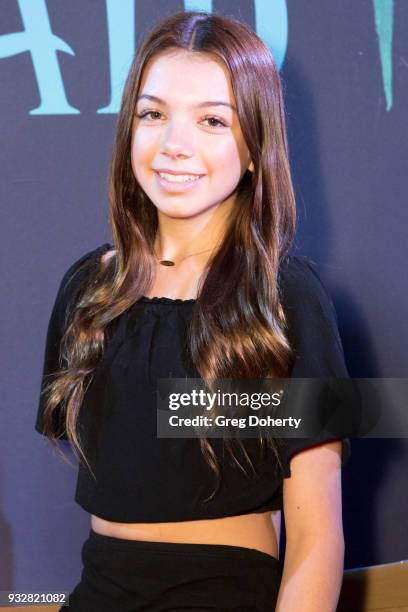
(145, 140)
(225, 159)
(142, 153)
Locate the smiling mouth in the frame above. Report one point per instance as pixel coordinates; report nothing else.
(178, 178)
(177, 183)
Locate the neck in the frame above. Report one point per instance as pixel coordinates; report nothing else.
(178, 237)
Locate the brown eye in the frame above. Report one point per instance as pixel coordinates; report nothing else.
(218, 121)
(142, 115)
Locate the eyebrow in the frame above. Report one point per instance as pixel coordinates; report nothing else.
(200, 105)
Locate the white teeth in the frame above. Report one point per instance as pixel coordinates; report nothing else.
(178, 178)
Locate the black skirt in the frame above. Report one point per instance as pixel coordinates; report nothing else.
(127, 575)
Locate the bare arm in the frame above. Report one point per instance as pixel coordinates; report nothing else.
(314, 557)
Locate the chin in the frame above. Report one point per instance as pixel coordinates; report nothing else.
(176, 212)
(182, 209)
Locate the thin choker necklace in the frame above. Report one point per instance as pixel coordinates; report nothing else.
(169, 262)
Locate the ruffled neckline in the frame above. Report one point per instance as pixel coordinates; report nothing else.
(165, 300)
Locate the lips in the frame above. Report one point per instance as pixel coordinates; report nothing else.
(176, 172)
(177, 187)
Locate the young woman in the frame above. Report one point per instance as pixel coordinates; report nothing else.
(198, 283)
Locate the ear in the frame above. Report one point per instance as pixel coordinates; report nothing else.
(251, 167)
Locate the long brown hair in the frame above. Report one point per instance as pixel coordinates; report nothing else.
(238, 324)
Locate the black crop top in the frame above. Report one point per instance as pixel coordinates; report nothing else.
(143, 478)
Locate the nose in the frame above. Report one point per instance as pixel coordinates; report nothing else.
(177, 139)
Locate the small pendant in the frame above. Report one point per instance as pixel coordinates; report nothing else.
(167, 262)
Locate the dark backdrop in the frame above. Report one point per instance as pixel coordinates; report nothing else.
(344, 67)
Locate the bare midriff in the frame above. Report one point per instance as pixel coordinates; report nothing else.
(260, 531)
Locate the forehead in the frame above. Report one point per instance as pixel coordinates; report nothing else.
(186, 77)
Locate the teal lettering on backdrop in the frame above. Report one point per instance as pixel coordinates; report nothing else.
(271, 22)
(37, 38)
(121, 35)
(384, 21)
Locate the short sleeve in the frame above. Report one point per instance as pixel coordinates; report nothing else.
(314, 335)
(56, 325)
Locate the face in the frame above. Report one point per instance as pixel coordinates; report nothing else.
(180, 133)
